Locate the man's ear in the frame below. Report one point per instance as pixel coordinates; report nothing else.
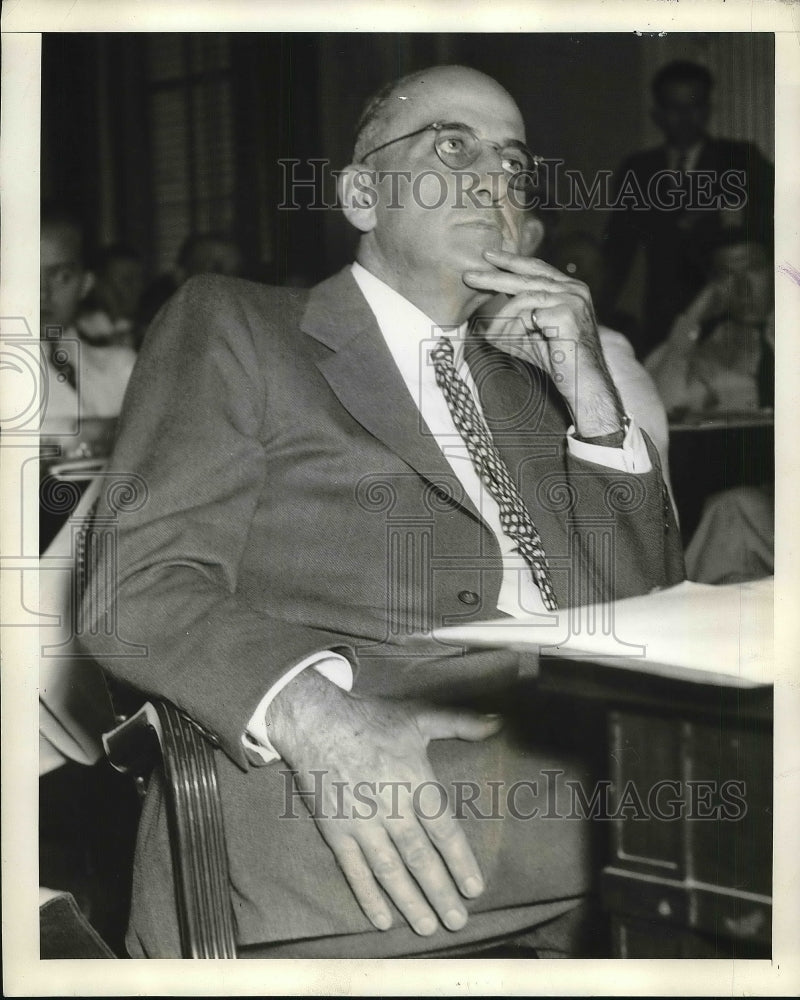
(531, 234)
(358, 195)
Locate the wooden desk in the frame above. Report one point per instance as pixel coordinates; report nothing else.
(684, 887)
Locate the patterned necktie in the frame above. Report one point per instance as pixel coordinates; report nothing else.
(515, 520)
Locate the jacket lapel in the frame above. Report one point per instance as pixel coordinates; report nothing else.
(361, 372)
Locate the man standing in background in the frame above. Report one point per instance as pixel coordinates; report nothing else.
(667, 198)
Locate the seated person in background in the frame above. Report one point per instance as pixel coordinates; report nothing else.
(720, 353)
(110, 312)
(86, 375)
(735, 540)
(200, 253)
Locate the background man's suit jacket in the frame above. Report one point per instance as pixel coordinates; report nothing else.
(293, 499)
(676, 240)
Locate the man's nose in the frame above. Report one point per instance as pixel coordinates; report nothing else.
(492, 179)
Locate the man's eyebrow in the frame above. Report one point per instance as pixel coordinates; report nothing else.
(515, 143)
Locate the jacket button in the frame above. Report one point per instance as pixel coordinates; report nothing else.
(468, 597)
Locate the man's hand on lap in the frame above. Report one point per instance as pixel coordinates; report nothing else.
(424, 865)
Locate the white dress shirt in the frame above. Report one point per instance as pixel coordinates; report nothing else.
(102, 375)
(410, 335)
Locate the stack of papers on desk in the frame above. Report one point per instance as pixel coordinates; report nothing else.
(716, 635)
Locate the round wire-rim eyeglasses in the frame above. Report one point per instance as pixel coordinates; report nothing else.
(458, 147)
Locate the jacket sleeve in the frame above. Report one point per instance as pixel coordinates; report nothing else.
(179, 498)
(626, 540)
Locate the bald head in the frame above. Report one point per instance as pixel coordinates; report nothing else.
(420, 98)
(426, 212)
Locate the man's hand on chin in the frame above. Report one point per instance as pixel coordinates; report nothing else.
(382, 844)
(549, 321)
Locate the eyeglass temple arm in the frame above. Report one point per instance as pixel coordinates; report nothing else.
(399, 138)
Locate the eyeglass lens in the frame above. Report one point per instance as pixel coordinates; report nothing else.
(459, 148)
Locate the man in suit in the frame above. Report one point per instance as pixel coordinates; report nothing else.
(315, 488)
(668, 199)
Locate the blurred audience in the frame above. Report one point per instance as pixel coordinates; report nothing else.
(86, 373)
(111, 311)
(674, 192)
(87, 812)
(719, 355)
(719, 358)
(200, 253)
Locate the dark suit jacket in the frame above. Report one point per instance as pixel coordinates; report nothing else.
(674, 239)
(295, 503)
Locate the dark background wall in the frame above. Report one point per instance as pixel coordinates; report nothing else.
(152, 135)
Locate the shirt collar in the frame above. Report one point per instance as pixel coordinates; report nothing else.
(407, 331)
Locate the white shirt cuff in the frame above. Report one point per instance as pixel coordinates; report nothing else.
(631, 457)
(331, 665)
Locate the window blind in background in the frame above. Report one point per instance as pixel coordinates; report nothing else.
(191, 136)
